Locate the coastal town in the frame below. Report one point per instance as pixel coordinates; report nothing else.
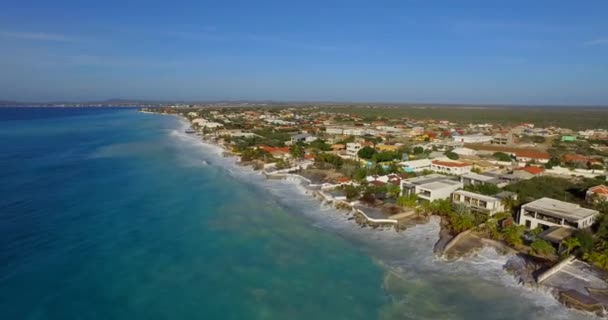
(538, 192)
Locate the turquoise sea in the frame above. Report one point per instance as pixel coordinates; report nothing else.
(115, 214)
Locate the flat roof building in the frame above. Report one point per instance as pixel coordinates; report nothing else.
(431, 187)
(547, 212)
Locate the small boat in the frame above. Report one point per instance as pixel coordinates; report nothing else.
(190, 131)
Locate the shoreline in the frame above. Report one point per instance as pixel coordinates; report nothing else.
(315, 191)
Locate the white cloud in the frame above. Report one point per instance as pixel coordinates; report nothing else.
(597, 42)
(39, 36)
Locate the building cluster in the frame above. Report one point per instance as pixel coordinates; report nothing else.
(434, 159)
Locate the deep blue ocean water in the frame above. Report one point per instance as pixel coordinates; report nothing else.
(115, 214)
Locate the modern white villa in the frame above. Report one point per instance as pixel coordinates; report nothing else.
(547, 212)
(431, 187)
(480, 203)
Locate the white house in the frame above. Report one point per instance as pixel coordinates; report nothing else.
(450, 167)
(416, 165)
(354, 131)
(302, 137)
(334, 130)
(352, 148)
(525, 156)
(465, 152)
(547, 212)
(472, 138)
(430, 187)
(481, 203)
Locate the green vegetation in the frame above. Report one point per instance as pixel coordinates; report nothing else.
(297, 151)
(461, 219)
(568, 117)
(352, 192)
(570, 244)
(487, 189)
(570, 190)
(512, 234)
(251, 154)
(407, 201)
(385, 156)
(501, 156)
(328, 160)
(320, 144)
(366, 152)
(451, 155)
(542, 247)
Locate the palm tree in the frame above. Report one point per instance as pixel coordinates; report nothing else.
(508, 202)
(570, 244)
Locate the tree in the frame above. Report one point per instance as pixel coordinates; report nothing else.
(598, 258)
(542, 247)
(366, 152)
(461, 222)
(408, 201)
(297, 151)
(451, 155)
(418, 150)
(585, 240)
(570, 244)
(552, 163)
(360, 174)
(385, 156)
(320, 145)
(484, 188)
(501, 156)
(393, 190)
(508, 202)
(512, 234)
(351, 191)
(442, 207)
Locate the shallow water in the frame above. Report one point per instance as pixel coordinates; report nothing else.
(114, 214)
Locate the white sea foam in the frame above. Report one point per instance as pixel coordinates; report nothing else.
(407, 252)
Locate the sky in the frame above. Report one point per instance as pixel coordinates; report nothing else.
(480, 52)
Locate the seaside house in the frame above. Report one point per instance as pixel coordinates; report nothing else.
(430, 187)
(450, 167)
(480, 203)
(547, 212)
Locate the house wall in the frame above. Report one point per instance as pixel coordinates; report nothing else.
(491, 207)
(437, 194)
(450, 170)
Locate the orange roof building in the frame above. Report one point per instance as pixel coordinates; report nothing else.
(597, 193)
(532, 170)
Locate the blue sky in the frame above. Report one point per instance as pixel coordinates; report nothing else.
(515, 52)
